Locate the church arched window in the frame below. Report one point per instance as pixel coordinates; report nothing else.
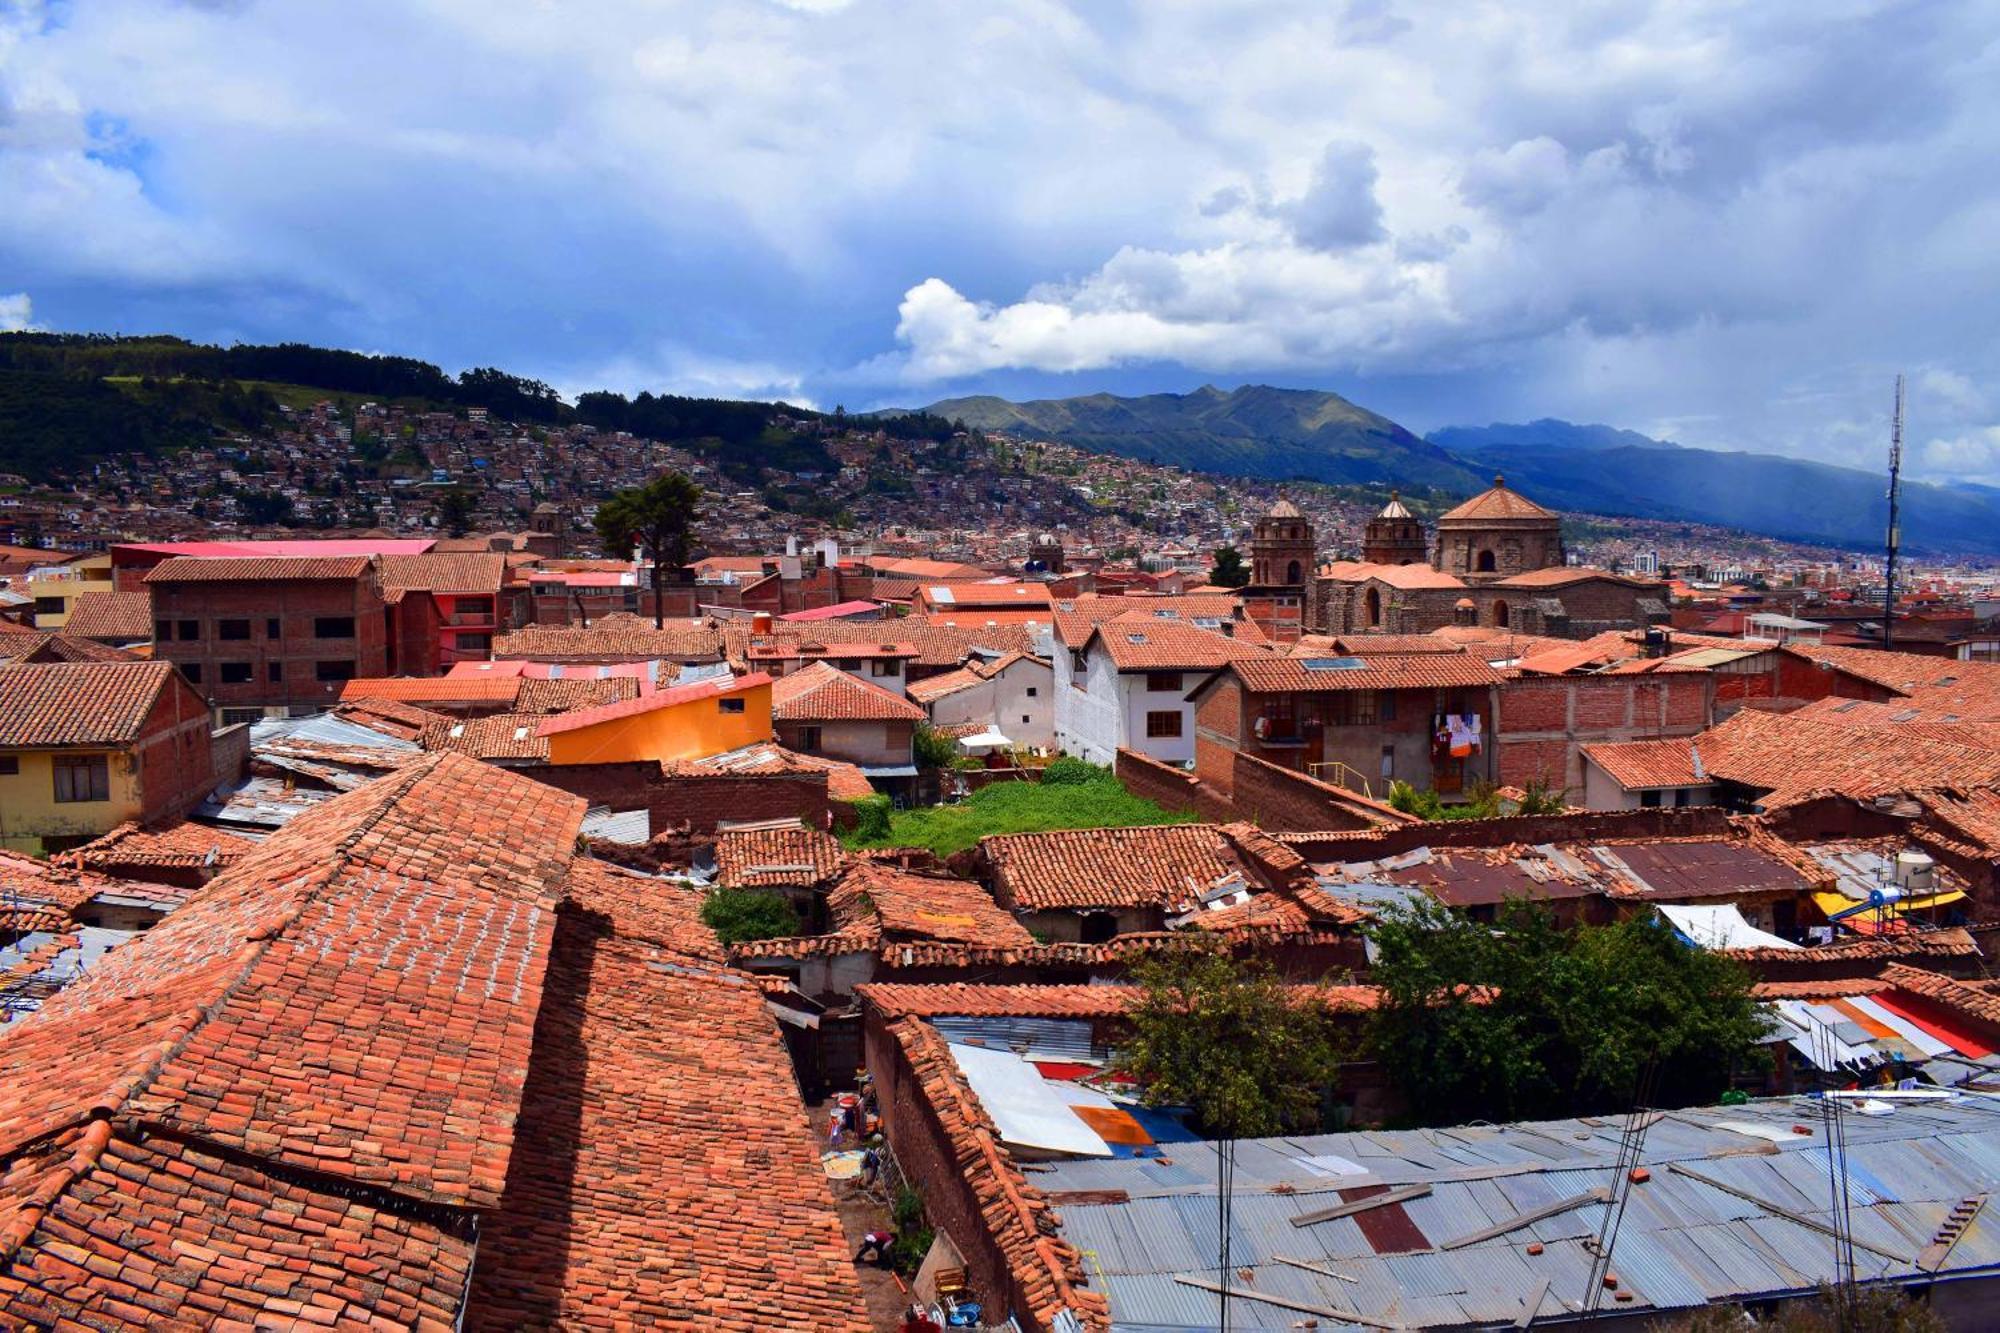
(1373, 602)
(1294, 573)
(1500, 615)
(1485, 563)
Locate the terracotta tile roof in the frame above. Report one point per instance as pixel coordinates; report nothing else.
(824, 693)
(844, 782)
(911, 904)
(1831, 988)
(32, 647)
(258, 569)
(62, 885)
(1948, 942)
(640, 908)
(501, 736)
(1408, 578)
(78, 703)
(1969, 1000)
(1371, 645)
(672, 697)
(932, 688)
(1046, 1271)
(775, 857)
(1166, 645)
(448, 573)
(1969, 691)
(616, 638)
(322, 1003)
(110, 615)
(1902, 717)
(1973, 816)
(894, 999)
(433, 689)
(1412, 671)
(401, 721)
(1561, 576)
(564, 694)
(1650, 765)
(937, 645)
(1498, 502)
(179, 845)
(666, 1175)
(1159, 865)
(1794, 757)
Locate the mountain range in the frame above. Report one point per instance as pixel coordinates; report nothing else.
(1318, 436)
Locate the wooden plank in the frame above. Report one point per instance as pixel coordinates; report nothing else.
(1534, 1305)
(1777, 1210)
(1529, 1218)
(1286, 1302)
(1403, 1195)
(1313, 1268)
(1938, 1251)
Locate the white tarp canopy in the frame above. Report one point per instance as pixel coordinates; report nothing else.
(980, 741)
(1026, 1108)
(1721, 928)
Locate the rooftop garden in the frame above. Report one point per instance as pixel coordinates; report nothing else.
(1071, 794)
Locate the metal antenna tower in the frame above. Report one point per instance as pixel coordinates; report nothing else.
(1895, 536)
(1631, 1151)
(1834, 1129)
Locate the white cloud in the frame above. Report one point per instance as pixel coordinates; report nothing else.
(16, 313)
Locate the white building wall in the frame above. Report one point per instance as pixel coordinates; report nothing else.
(1139, 700)
(1006, 702)
(1090, 712)
(1601, 793)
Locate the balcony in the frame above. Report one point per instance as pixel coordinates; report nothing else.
(470, 619)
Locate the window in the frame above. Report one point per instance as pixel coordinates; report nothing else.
(886, 666)
(10, 765)
(333, 627)
(1163, 682)
(232, 629)
(163, 631)
(1649, 800)
(234, 673)
(82, 777)
(808, 740)
(192, 670)
(1356, 708)
(728, 705)
(1024, 719)
(1385, 705)
(274, 672)
(234, 716)
(1031, 691)
(1165, 724)
(190, 629)
(1079, 661)
(474, 643)
(333, 671)
(50, 606)
(273, 629)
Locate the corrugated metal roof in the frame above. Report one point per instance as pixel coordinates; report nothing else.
(1683, 1242)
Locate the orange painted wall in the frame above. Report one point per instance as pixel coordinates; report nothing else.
(692, 730)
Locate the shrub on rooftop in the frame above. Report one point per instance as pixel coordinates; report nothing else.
(736, 915)
(1070, 772)
(1101, 801)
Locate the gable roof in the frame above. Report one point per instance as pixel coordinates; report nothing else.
(915, 904)
(445, 573)
(110, 615)
(672, 697)
(1408, 671)
(1793, 757)
(821, 692)
(258, 569)
(614, 637)
(775, 857)
(1167, 645)
(1155, 865)
(46, 705)
(1651, 765)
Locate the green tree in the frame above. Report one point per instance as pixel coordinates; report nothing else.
(660, 517)
(933, 749)
(736, 915)
(1525, 1019)
(1252, 1055)
(455, 511)
(1229, 571)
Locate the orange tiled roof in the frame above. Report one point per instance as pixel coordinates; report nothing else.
(911, 904)
(824, 693)
(110, 615)
(1793, 757)
(672, 697)
(178, 845)
(1166, 645)
(258, 568)
(563, 694)
(775, 857)
(1650, 765)
(32, 647)
(49, 883)
(501, 736)
(1158, 865)
(666, 1175)
(402, 721)
(445, 573)
(614, 638)
(897, 999)
(937, 645)
(78, 703)
(436, 689)
(1498, 502)
(844, 781)
(1412, 671)
(1971, 1000)
(1968, 691)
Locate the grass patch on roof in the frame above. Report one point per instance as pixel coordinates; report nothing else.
(1081, 796)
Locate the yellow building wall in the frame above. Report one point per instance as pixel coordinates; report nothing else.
(29, 811)
(693, 730)
(71, 581)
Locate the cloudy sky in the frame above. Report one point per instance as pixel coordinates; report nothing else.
(1725, 223)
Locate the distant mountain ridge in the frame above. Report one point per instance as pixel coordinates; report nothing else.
(1254, 431)
(1266, 432)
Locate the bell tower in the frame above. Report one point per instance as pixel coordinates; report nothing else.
(1394, 537)
(1282, 551)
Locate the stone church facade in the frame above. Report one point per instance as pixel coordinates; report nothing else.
(1496, 560)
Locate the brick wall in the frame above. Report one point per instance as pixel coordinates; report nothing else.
(174, 755)
(1576, 826)
(1274, 798)
(1545, 721)
(1172, 788)
(695, 804)
(296, 606)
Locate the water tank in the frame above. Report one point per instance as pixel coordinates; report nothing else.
(1915, 873)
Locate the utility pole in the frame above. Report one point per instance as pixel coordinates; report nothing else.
(1889, 566)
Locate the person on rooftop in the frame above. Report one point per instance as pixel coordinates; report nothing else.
(878, 1242)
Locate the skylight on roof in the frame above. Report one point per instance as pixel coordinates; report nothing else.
(1334, 664)
(1135, 638)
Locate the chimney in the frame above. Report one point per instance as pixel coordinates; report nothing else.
(760, 623)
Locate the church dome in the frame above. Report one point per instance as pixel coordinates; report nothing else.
(1395, 507)
(1284, 509)
(1498, 502)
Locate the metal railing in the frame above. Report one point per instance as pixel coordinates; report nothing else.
(1338, 774)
